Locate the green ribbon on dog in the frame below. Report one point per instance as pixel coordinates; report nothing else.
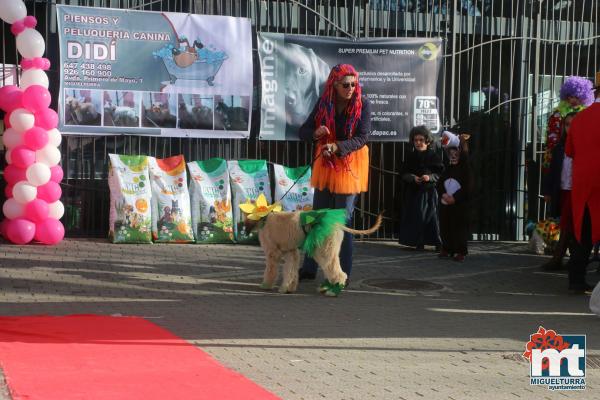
(321, 224)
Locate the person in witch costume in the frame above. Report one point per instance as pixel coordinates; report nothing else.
(339, 126)
(583, 146)
(454, 188)
(556, 188)
(419, 224)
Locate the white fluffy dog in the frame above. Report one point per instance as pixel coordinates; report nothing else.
(281, 236)
(536, 243)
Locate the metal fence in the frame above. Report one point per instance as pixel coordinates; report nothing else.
(503, 65)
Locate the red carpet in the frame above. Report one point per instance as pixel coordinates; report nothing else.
(110, 358)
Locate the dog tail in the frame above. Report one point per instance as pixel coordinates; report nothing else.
(366, 231)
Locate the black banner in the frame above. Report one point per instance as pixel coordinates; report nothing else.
(399, 77)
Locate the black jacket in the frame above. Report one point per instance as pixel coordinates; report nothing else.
(345, 145)
(461, 172)
(418, 163)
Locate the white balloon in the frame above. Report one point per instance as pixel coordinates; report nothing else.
(23, 192)
(56, 210)
(30, 43)
(12, 209)
(21, 120)
(49, 155)
(11, 138)
(34, 76)
(54, 137)
(12, 10)
(38, 174)
(7, 156)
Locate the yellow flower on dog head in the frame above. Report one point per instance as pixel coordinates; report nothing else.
(260, 209)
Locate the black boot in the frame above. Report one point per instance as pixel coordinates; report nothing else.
(554, 264)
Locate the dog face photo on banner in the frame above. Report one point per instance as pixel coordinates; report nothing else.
(232, 113)
(159, 110)
(83, 107)
(121, 108)
(194, 112)
(305, 75)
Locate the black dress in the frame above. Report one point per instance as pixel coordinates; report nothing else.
(454, 218)
(419, 224)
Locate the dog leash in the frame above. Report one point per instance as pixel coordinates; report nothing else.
(303, 173)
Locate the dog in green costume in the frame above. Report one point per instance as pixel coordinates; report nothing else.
(283, 235)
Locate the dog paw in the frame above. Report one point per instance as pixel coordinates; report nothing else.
(335, 290)
(324, 286)
(266, 286)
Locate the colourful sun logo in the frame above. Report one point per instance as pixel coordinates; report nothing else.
(545, 339)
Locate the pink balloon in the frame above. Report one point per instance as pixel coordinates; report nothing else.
(22, 157)
(20, 231)
(42, 63)
(8, 191)
(50, 231)
(7, 120)
(14, 174)
(30, 21)
(17, 27)
(47, 119)
(5, 91)
(27, 63)
(56, 174)
(13, 100)
(50, 192)
(35, 138)
(36, 210)
(36, 98)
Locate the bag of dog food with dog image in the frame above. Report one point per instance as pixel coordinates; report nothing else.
(130, 217)
(212, 220)
(300, 196)
(249, 178)
(171, 217)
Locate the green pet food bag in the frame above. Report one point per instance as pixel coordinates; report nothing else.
(171, 217)
(212, 219)
(130, 217)
(299, 196)
(248, 179)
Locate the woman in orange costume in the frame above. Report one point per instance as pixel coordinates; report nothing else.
(339, 125)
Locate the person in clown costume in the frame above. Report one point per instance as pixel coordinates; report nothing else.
(576, 93)
(339, 126)
(583, 146)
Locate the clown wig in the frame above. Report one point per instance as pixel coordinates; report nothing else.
(579, 87)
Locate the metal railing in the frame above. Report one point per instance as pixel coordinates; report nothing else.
(504, 61)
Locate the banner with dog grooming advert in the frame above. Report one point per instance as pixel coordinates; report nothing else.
(399, 76)
(152, 73)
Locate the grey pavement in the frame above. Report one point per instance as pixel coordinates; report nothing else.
(457, 336)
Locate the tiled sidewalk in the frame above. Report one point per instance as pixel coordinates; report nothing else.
(459, 342)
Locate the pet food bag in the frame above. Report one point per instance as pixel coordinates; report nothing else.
(212, 220)
(248, 178)
(171, 217)
(300, 196)
(130, 199)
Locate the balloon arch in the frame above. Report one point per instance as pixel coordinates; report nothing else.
(33, 174)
